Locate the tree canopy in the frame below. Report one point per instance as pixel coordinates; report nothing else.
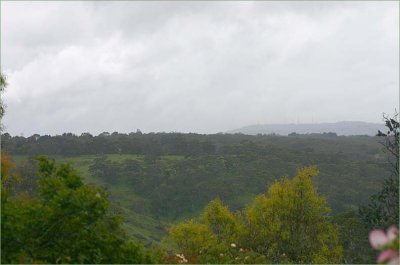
(68, 222)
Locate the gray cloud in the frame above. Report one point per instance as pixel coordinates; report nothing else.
(196, 66)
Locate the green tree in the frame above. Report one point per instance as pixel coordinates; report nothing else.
(291, 223)
(68, 222)
(383, 208)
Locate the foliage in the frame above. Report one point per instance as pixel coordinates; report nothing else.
(152, 194)
(177, 184)
(383, 208)
(223, 224)
(68, 222)
(354, 239)
(292, 221)
(191, 237)
(188, 145)
(27, 178)
(7, 177)
(3, 85)
(212, 240)
(290, 224)
(176, 187)
(392, 141)
(221, 165)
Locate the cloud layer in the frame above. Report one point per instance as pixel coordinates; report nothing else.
(196, 66)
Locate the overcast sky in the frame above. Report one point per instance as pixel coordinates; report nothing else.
(196, 66)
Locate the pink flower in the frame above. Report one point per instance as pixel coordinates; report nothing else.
(386, 243)
(378, 238)
(392, 233)
(386, 255)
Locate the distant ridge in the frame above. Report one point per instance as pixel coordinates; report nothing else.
(340, 128)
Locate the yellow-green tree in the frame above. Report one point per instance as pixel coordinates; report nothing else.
(214, 239)
(291, 223)
(191, 238)
(221, 221)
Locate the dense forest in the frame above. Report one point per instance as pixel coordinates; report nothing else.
(155, 180)
(233, 167)
(193, 198)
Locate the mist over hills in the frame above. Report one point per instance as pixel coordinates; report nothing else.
(340, 128)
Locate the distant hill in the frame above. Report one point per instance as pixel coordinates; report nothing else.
(340, 128)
